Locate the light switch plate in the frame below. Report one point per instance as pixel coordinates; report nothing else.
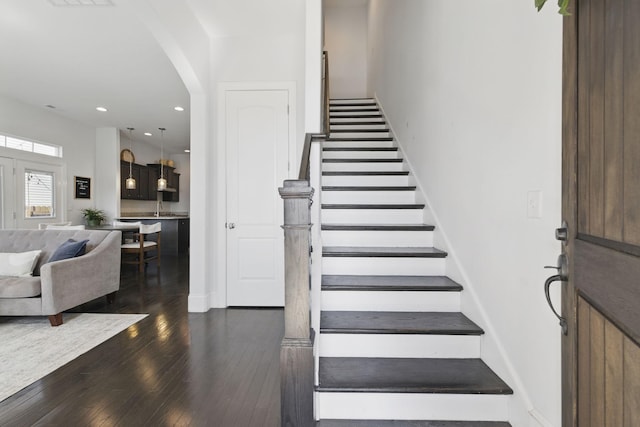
(534, 204)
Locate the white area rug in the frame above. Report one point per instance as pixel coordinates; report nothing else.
(30, 348)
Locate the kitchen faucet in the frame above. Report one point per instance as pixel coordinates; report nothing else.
(158, 207)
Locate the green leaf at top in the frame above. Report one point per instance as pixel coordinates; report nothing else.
(540, 3)
(563, 5)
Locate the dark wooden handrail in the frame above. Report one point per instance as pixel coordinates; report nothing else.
(308, 138)
(325, 93)
(304, 162)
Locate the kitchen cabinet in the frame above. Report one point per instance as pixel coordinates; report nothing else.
(183, 235)
(146, 182)
(124, 174)
(173, 182)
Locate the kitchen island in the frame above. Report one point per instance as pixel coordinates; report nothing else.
(175, 231)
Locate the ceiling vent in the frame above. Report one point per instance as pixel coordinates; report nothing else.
(75, 3)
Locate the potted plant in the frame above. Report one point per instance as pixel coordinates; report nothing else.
(93, 216)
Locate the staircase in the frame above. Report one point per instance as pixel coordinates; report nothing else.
(393, 342)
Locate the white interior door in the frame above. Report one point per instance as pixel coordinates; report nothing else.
(257, 143)
(7, 194)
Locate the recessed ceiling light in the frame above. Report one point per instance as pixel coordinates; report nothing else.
(53, 107)
(178, 108)
(148, 134)
(101, 109)
(187, 151)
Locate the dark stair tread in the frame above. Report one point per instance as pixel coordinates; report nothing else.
(362, 160)
(358, 130)
(352, 99)
(382, 252)
(339, 282)
(373, 206)
(360, 149)
(410, 423)
(353, 104)
(354, 109)
(377, 227)
(368, 188)
(364, 173)
(408, 375)
(363, 138)
(389, 322)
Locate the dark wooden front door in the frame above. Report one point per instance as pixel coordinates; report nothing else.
(601, 204)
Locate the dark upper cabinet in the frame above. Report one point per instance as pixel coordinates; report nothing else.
(143, 184)
(153, 183)
(146, 182)
(173, 181)
(124, 174)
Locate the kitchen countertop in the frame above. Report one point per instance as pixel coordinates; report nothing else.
(162, 216)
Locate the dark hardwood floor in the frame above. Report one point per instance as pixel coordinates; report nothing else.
(219, 368)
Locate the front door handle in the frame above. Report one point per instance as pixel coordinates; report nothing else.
(560, 277)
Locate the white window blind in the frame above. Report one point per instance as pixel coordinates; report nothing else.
(39, 192)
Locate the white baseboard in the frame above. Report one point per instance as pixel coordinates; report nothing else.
(198, 303)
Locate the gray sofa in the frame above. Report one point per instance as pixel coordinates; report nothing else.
(60, 285)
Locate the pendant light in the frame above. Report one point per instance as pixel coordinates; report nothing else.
(162, 182)
(130, 183)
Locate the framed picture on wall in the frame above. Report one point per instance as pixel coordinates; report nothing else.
(83, 187)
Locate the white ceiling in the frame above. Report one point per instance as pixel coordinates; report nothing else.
(78, 58)
(232, 18)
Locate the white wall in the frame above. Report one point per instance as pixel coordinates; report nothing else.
(204, 57)
(258, 57)
(77, 140)
(106, 185)
(345, 40)
(472, 90)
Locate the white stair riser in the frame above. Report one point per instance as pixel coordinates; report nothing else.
(358, 134)
(359, 154)
(335, 120)
(365, 180)
(412, 406)
(372, 216)
(389, 345)
(363, 166)
(377, 238)
(358, 127)
(365, 144)
(338, 101)
(356, 109)
(369, 197)
(409, 266)
(390, 301)
(335, 114)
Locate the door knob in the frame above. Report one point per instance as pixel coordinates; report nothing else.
(231, 225)
(562, 268)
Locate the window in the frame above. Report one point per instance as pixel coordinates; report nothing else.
(31, 146)
(39, 194)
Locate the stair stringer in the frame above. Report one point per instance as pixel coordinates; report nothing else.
(492, 350)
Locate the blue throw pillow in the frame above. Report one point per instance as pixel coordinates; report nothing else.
(69, 249)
